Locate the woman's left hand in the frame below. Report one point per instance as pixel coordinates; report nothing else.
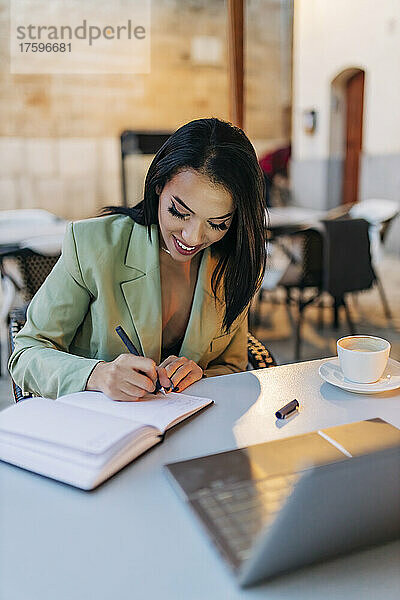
(181, 371)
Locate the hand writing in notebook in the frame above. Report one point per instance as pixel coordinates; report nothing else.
(181, 371)
(128, 378)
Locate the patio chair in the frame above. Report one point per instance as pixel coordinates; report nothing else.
(335, 260)
(44, 230)
(136, 143)
(380, 214)
(17, 321)
(304, 274)
(32, 268)
(258, 355)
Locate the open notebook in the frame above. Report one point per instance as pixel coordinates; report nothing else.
(84, 438)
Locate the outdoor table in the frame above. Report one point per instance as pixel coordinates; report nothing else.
(15, 236)
(286, 220)
(134, 537)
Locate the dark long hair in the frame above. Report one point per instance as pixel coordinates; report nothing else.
(223, 153)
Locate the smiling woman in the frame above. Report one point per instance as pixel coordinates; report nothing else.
(178, 271)
(197, 228)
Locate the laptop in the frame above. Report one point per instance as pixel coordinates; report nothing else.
(274, 507)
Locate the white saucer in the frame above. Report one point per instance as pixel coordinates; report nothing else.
(332, 373)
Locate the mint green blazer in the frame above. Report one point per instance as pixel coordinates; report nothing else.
(109, 275)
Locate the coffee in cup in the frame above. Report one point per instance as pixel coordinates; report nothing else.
(363, 358)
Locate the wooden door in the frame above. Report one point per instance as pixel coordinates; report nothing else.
(354, 122)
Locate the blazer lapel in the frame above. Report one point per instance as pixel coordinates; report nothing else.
(204, 321)
(142, 292)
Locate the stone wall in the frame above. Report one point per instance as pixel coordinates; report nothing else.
(71, 177)
(59, 134)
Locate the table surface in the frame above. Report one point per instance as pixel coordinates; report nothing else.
(31, 228)
(294, 215)
(134, 537)
(32, 234)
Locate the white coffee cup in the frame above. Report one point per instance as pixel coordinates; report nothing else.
(363, 358)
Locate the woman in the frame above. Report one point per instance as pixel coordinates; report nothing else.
(177, 272)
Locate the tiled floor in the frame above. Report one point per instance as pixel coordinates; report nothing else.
(276, 331)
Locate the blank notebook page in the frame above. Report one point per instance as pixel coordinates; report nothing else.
(160, 410)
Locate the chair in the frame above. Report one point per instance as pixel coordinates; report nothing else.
(380, 214)
(45, 232)
(258, 355)
(17, 321)
(33, 268)
(136, 143)
(302, 274)
(347, 261)
(336, 260)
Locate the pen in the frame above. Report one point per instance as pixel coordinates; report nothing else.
(287, 410)
(127, 341)
(133, 350)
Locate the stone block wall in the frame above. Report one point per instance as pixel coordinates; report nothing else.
(59, 134)
(71, 177)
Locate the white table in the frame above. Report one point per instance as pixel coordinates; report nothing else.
(134, 538)
(290, 216)
(33, 235)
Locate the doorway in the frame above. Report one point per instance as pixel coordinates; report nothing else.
(354, 125)
(346, 133)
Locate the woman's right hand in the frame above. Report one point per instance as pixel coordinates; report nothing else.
(127, 378)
